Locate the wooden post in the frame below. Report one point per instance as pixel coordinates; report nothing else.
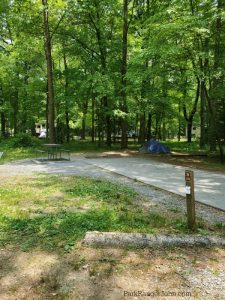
(190, 199)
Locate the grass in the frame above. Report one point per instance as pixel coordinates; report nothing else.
(11, 153)
(184, 146)
(53, 212)
(83, 146)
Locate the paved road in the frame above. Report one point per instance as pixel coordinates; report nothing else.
(209, 186)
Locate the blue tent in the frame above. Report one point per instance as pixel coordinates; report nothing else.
(153, 146)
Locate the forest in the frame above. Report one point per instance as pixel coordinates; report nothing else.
(110, 69)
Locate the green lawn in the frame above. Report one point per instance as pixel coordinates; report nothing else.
(54, 212)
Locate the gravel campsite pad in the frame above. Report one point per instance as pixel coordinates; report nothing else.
(92, 273)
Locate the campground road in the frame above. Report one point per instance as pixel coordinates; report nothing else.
(209, 186)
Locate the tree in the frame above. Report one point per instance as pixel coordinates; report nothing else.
(50, 92)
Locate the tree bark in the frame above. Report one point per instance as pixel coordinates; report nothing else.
(48, 54)
(189, 119)
(67, 119)
(149, 127)
(215, 100)
(3, 124)
(83, 131)
(103, 60)
(142, 128)
(124, 109)
(203, 135)
(15, 111)
(3, 117)
(215, 133)
(93, 118)
(179, 121)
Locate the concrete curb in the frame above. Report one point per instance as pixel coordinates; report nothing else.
(123, 240)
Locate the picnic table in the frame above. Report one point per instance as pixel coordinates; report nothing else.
(53, 150)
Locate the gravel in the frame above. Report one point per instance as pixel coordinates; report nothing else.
(210, 285)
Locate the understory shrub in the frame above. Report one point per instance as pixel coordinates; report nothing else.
(24, 140)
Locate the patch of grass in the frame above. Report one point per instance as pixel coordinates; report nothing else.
(220, 225)
(174, 209)
(184, 146)
(19, 147)
(10, 154)
(55, 212)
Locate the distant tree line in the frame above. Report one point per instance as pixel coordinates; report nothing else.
(111, 67)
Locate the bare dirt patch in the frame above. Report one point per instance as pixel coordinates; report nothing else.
(201, 162)
(196, 161)
(115, 274)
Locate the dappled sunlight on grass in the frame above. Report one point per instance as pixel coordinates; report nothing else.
(54, 212)
(10, 154)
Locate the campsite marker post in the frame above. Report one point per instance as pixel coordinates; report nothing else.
(190, 199)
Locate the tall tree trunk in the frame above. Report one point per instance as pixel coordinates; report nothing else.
(215, 99)
(93, 118)
(3, 124)
(164, 130)
(149, 127)
(2, 114)
(32, 128)
(103, 58)
(108, 122)
(142, 128)
(179, 121)
(124, 109)
(189, 129)
(189, 118)
(48, 54)
(15, 111)
(212, 133)
(203, 134)
(159, 125)
(46, 110)
(213, 94)
(25, 114)
(66, 92)
(83, 131)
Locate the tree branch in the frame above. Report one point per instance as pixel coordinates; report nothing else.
(57, 26)
(82, 43)
(132, 14)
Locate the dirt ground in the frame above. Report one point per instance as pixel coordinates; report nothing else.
(200, 162)
(195, 161)
(115, 274)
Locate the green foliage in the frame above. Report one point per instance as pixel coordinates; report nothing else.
(170, 46)
(24, 140)
(101, 190)
(184, 146)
